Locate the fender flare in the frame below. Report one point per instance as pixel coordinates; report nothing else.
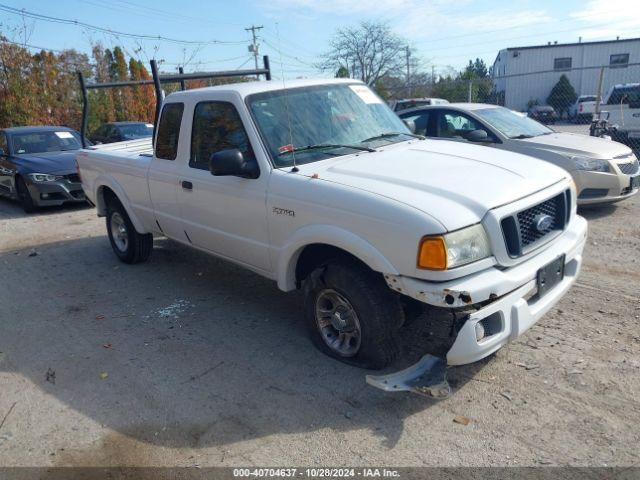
(328, 235)
(108, 182)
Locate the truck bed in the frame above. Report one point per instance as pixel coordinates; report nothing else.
(123, 164)
(128, 148)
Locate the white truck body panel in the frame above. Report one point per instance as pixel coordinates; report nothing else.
(375, 205)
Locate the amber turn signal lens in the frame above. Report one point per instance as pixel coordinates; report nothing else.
(432, 254)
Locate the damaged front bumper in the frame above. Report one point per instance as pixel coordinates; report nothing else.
(505, 301)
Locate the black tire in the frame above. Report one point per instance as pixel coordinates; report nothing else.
(378, 312)
(24, 196)
(128, 245)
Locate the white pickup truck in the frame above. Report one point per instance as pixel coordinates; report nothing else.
(320, 186)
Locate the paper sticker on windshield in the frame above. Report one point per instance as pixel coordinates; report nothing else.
(64, 134)
(365, 94)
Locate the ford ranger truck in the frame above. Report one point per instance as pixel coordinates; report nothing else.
(319, 186)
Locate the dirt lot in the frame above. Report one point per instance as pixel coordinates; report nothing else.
(190, 361)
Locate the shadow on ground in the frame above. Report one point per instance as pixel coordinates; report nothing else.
(593, 212)
(11, 209)
(197, 352)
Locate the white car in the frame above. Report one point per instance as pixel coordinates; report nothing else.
(320, 186)
(604, 171)
(405, 103)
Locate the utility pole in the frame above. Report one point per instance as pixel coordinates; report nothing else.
(408, 54)
(254, 45)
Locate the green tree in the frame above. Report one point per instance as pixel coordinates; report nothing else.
(562, 95)
(475, 69)
(342, 72)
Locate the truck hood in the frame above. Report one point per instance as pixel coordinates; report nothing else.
(453, 182)
(576, 144)
(58, 163)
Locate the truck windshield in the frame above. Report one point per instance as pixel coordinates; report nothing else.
(512, 124)
(49, 141)
(341, 118)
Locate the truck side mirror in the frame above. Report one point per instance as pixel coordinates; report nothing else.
(477, 136)
(232, 163)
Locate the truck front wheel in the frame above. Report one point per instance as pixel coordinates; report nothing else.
(352, 315)
(129, 245)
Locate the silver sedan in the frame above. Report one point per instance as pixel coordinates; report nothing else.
(604, 171)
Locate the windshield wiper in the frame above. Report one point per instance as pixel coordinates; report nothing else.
(392, 134)
(323, 146)
(520, 137)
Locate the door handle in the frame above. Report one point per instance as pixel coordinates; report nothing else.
(187, 185)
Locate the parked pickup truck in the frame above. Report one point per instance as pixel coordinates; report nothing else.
(582, 111)
(320, 186)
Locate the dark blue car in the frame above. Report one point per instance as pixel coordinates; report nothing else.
(38, 166)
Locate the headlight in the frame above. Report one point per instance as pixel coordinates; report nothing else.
(44, 177)
(591, 164)
(454, 249)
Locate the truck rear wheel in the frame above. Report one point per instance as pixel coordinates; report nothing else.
(352, 315)
(129, 245)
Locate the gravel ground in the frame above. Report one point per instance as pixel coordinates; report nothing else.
(190, 361)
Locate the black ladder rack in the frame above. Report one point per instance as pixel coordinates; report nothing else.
(157, 80)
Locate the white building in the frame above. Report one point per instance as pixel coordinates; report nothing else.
(522, 74)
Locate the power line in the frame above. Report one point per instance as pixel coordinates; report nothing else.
(244, 63)
(67, 21)
(288, 56)
(36, 47)
(147, 12)
(172, 15)
(222, 60)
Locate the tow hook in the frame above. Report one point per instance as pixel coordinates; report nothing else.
(427, 377)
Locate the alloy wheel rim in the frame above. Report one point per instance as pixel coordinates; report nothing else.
(119, 233)
(338, 323)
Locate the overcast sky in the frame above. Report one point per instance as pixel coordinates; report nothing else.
(444, 33)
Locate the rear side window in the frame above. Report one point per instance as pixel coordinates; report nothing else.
(216, 126)
(169, 131)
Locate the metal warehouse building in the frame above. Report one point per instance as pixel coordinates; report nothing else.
(521, 74)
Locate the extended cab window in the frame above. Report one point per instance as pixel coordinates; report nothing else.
(169, 131)
(216, 126)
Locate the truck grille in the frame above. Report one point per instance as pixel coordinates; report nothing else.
(525, 230)
(630, 168)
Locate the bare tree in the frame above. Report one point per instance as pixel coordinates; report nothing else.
(368, 52)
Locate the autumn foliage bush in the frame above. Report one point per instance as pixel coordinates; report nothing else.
(42, 88)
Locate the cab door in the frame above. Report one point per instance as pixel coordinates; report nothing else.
(223, 214)
(164, 170)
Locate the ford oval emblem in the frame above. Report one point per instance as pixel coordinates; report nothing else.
(543, 222)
